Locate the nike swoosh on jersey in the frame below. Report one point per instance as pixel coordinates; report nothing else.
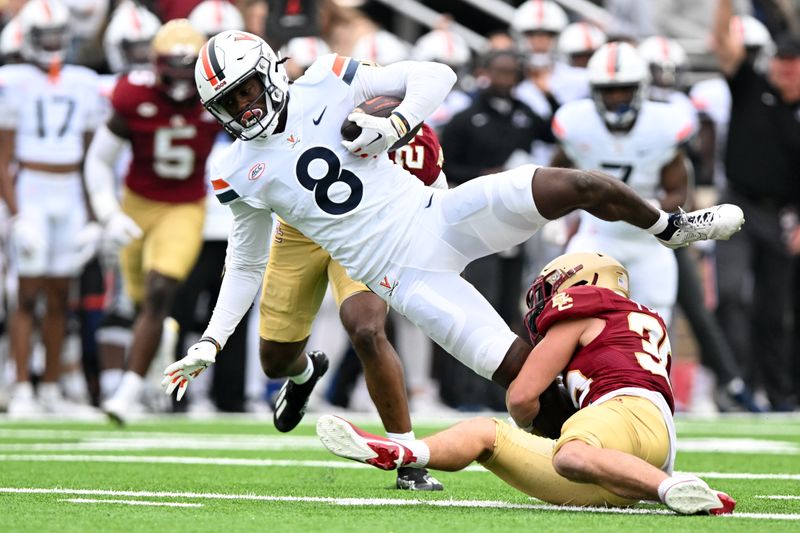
(317, 120)
(430, 201)
(376, 139)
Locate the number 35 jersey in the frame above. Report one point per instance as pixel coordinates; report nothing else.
(358, 209)
(50, 112)
(636, 157)
(632, 351)
(170, 141)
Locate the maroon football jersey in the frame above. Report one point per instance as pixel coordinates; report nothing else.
(632, 351)
(170, 141)
(422, 156)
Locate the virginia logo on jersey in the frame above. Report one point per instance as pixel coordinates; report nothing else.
(256, 171)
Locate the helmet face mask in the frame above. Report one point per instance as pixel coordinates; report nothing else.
(615, 66)
(572, 270)
(225, 73)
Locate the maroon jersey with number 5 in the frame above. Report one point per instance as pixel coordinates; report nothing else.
(632, 350)
(422, 156)
(170, 141)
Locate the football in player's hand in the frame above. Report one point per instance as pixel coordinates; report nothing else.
(380, 106)
(555, 408)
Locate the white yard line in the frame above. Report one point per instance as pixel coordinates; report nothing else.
(778, 497)
(293, 463)
(359, 502)
(132, 502)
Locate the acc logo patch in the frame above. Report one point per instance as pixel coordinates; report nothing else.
(146, 109)
(256, 171)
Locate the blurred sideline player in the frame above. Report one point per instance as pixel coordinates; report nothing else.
(618, 448)
(159, 221)
(126, 43)
(47, 114)
(406, 242)
(639, 142)
(578, 41)
(225, 388)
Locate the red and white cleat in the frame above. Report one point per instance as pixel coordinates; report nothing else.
(346, 440)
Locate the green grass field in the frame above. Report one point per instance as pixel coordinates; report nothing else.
(239, 474)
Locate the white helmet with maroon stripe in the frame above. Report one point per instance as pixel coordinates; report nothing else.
(580, 39)
(665, 58)
(750, 32)
(539, 15)
(45, 31)
(126, 40)
(618, 65)
(214, 16)
(444, 46)
(226, 62)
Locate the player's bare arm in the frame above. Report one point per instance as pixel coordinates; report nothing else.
(548, 359)
(7, 142)
(674, 183)
(730, 53)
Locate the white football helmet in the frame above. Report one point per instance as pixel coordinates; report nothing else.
(444, 46)
(211, 17)
(301, 52)
(580, 39)
(666, 60)
(750, 31)
(127, 38)
(380, 47)
(616, 65)
(539, 15)
(11, 42)
(45, 31)
(226, 62)
(87, 16)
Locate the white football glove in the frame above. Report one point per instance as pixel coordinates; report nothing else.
(120, 231)
(378, 134)
(87, 241)
(26, 238)
(199, 356)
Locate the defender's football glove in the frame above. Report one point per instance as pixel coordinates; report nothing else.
(120, 230)
(378, 134)
(199, 356)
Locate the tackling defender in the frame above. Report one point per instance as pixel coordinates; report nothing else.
(614, 356)
(406, 242)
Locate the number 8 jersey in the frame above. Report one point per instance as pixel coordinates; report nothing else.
(170, 141)
(49, 111)
(360, 210)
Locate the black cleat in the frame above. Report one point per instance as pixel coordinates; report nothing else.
(290, 406)
(409, 478)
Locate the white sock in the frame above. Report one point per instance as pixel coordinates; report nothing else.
(418, 447)
(660, 224)
(130, 386)
(109, 381)
(306, 374)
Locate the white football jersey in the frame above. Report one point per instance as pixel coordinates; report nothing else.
(635, 157)
(309, 179)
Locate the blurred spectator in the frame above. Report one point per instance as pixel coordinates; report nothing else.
(301, 53)
(578, 42)
(762, 159)
(548, 82)
(159, 222)
(47, 114)
(493, 134)
(445, 46)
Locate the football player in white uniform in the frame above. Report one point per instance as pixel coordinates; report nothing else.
(407, 242)
(47, 114)
(638, 141)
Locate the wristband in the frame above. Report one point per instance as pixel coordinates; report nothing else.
(212, 341)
